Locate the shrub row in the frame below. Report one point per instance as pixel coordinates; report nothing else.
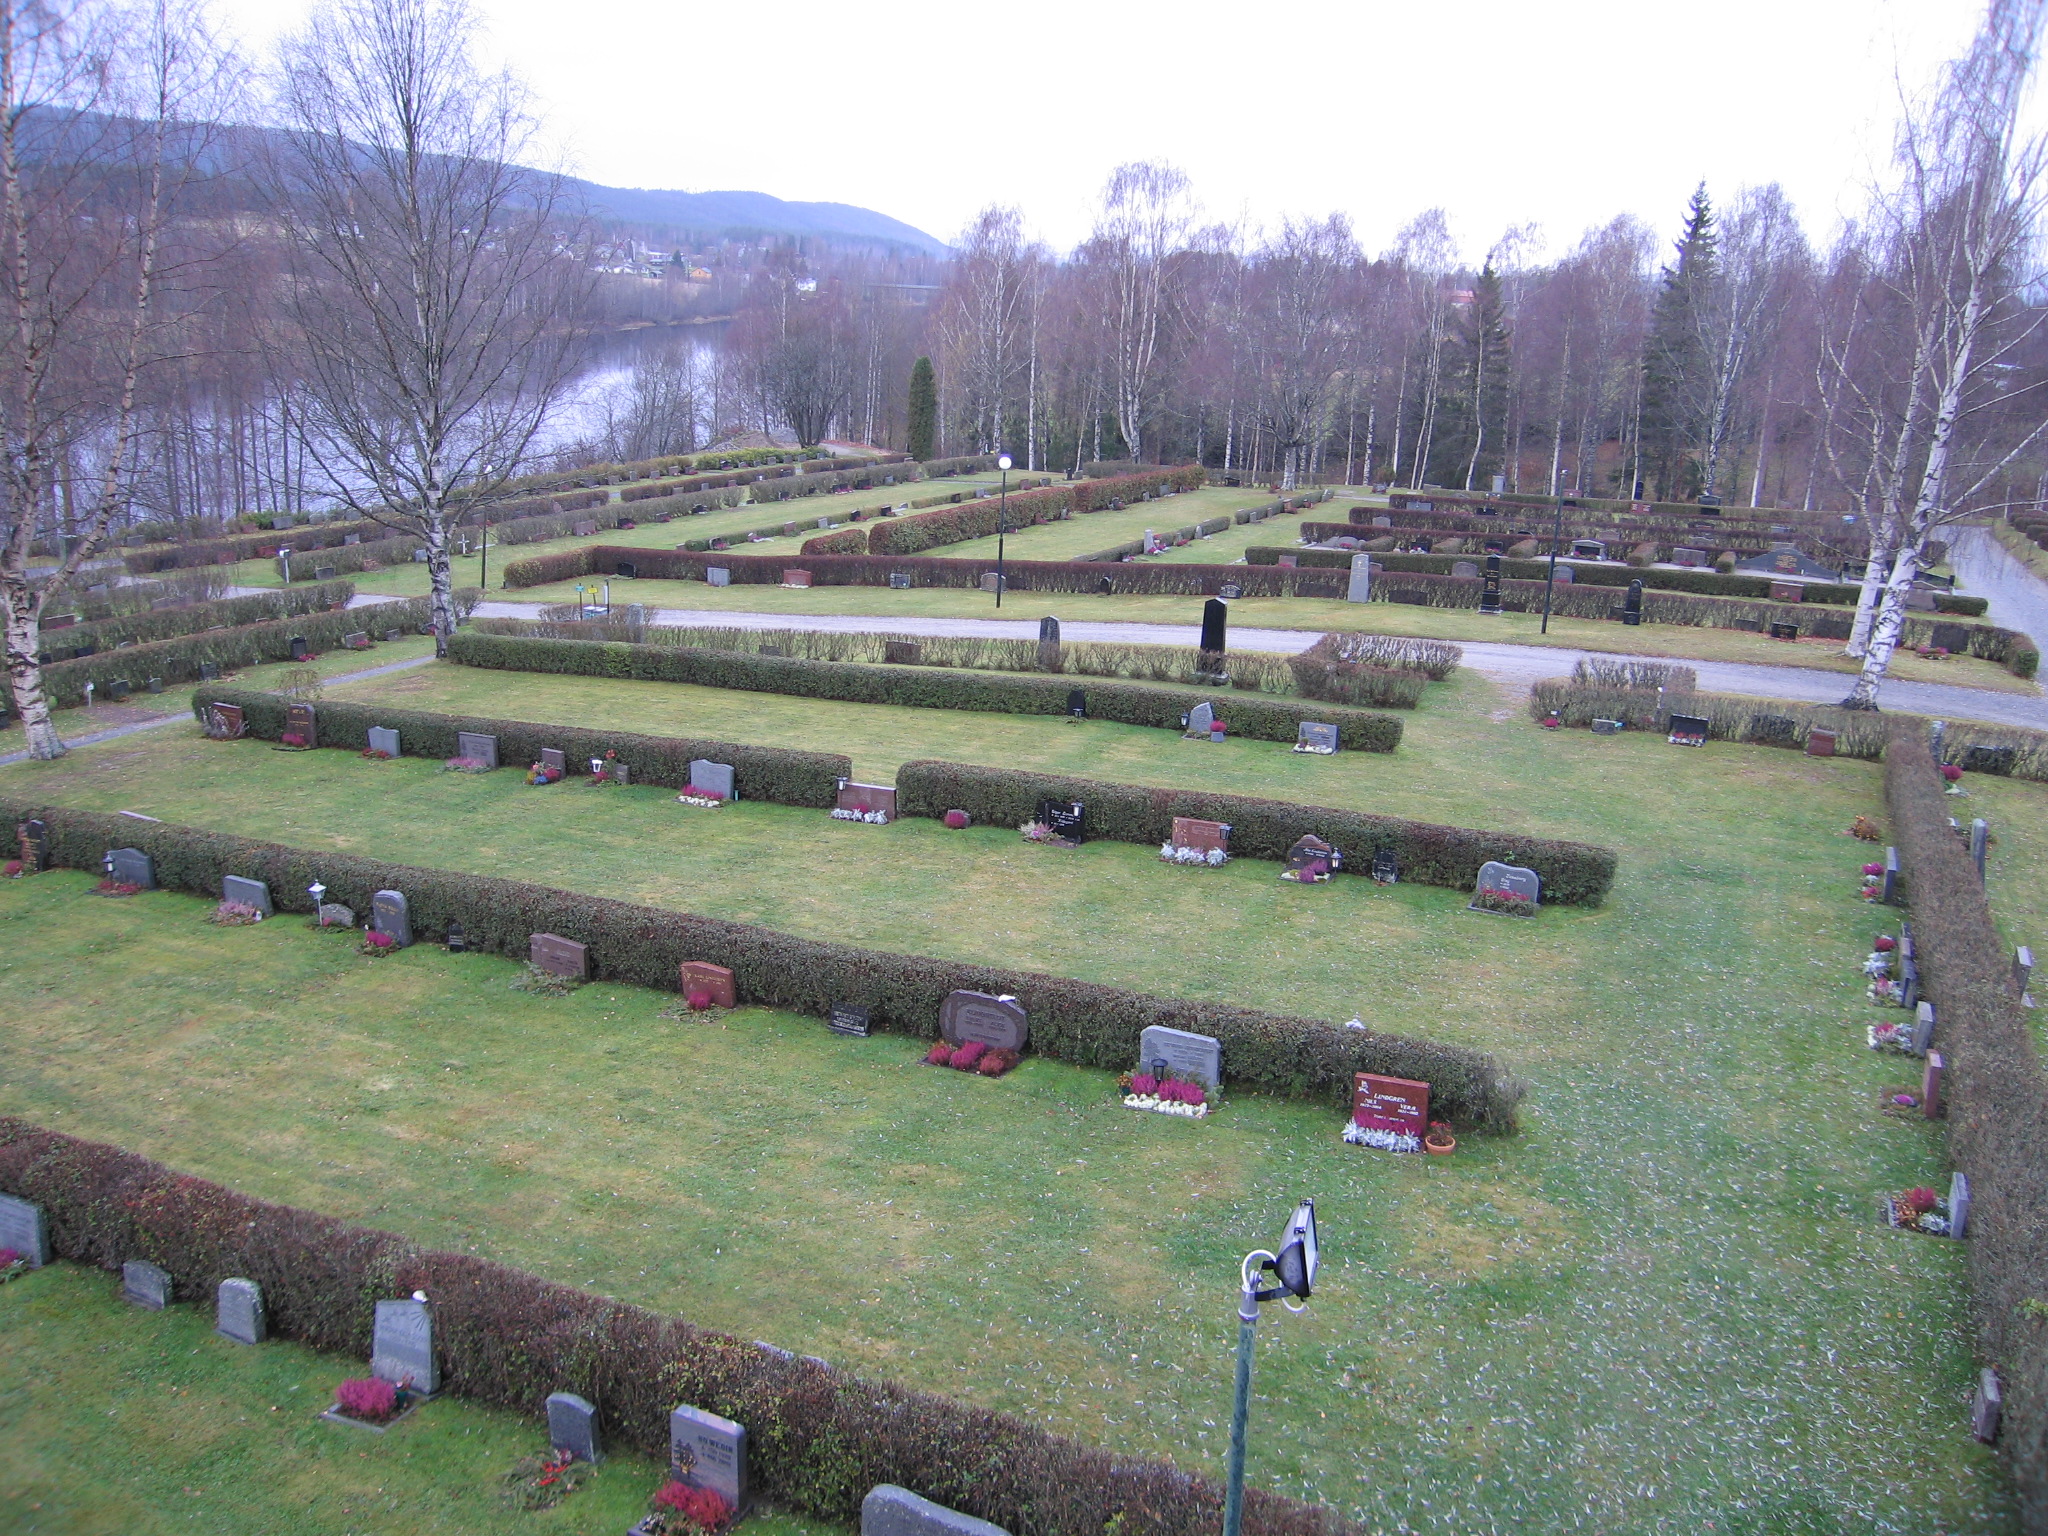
(1073, 1021)
(842, 541)
(1711, 583)
(1328, 670)
(1997, 1102)
(179, 660)
(977, 519)
(818, 1437)
(1434, 659)
(1730, 717)
(1529, 501)
(192, 618)
(1260, 718)
(1573, 873)
(777, 774)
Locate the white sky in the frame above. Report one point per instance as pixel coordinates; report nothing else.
(1502, 113)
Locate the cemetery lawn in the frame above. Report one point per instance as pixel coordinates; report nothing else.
(1666, 1302)
(117, 1419)
(1281, 613)
(1087, 533)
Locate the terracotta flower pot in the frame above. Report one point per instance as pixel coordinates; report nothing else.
(1449, 1145)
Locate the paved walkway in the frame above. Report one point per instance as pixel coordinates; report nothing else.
(1515, 665)
(1986, 568)
(114, 733)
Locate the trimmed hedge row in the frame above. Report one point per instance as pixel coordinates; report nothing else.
(818, 1437)
(1259, 717)
(977, 519)
(1576, 874)
(1710, 583)
(777, 774)
(179, 660)
(233, 547)
(1729, 717)
(1997, 1103)
(192, 618)
(1074, 1021)
(842, 541)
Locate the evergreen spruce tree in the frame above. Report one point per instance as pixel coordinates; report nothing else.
(924, 410)
(1677, 382)
(1470, 446)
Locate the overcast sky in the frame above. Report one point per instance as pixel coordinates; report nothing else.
(1560, 114)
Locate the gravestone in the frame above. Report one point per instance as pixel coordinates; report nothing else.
(1565, 576)
(144, 1284)
(572, 1427)
(1289, 562)
(1689, 730)
(707, 1451)
(1959, 1205)
(118, 689)
(630, 572)
(402, 1347)
(1189, 1057)
(1489, 592)
(333, 914)
(1588, 549)
(1820, 743)
(23, 1229)
(1202, 720)
(1230, 591)
(1066, 819)
(1381, 520)
(1311, 861)
(2023, 973)
(1890, 896)
(1950, 637)
(1215, 626)
(1315, 736)
(716, 777)
(1000, 1023)
(554, 759)
(33, 836)
(718, 575)
(1782, 630)
(1511, 879)
(131, 866)
(1987, 1409)
(1397, 1104)
(1193, 832)
(902, 653)
(299, 651)
(1386, 867)
(326, 572)
(892, 1511)
(1049, 644)
(1787, 592)
(899, 580)
(250, 893)
(238, 1312)
(1980, 838)
(1077, 704)
(1606, 727)
(1465, 568)
(1923, 1027)
(1688, 557)
(1909, 982)
(796, 578)
(478, 747)
(583, 530)
(384, 739)
(1632, 605)
(558, 956)
(867, 798)
(847, 1019)
(1931, 1084)
(300, 721)
(209, 672)
(388, 914)
(1359, 587)
(1774, 731)
(714, 980)
(359, 640)
(1992, 760)
(393, 634)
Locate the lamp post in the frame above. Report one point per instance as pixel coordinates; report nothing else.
(1295, 1266)
(1002, 509)
(1550, 583)
(319, 894)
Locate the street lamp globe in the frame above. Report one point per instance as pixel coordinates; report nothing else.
(1003, 461)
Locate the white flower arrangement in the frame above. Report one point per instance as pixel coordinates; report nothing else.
(1387, 1141)
(1302, 746)
(1890, 1037)
(1160, 1106)
(1884, 991)
(1879, 964)
(873, 818)
(709, 803)
(1174, 854)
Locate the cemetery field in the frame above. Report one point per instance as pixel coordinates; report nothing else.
(1229, 546)
(1086, 533)
(1666, 1302)
(1664, 640)
(115, 1419)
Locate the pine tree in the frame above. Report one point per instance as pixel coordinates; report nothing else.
(1677, 380)
(924, 410)
(1470, 445)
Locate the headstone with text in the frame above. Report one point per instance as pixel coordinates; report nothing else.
(1184, 1054)
(1000, 1023)
(1315, 736)
(1509, 881)
(714, 981)
(558, 956)
(402, 1347)
(388, 914)
(1396, 1104)
(867, 799)
(131, 866)
(300, 721)
(478, 747)
(889, 1510)
(1193, 832)
(709, 1451)
(23, 1229)
(1067, 820)
(848, 1019)
(250, 893)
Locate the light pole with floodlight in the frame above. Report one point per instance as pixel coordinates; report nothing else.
(1002, 507)
(1295, 1265)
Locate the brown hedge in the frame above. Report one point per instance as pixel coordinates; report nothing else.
(820, 1437)
(1997, 1103)
(780, 775)
(1573, 873)
(1073, 1021)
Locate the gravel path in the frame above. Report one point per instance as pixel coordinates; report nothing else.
(1986, 568)
(1514, 665)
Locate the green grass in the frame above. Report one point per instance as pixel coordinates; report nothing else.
(1666, 1303)
(1086, 533)
(116, 1419)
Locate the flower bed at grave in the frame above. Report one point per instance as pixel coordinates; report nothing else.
(678, 1509)
(465, 765)
(1172, 853)
(115, 888)
(1897, 1038)
(1901, 1103)
(234, 914)
(370, 1400)
(1487, 899)
(1165, 1095)
(541, 773)
(709, 799)
(375, 943)
(13, 1265)
(375, 754)
(294, 740)
(973, 1056)
(542, 1482)
(847, 813)
(1387, 1141)
(1918, 1210)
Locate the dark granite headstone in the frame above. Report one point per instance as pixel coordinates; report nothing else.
(250, 893)
(847, 1019)
(1987, 1412)
(388, 914)
(1782, 629)
(23, 1229)
(144, 1284)
(238, 1312)
(300, 720)
(1632, 605)
(554, 758)
(1489, 592)
(1077, 704)
(402, 1347)
(1386, 867)
(131, 866)
(299, 651)
(572, 1427)
(33, 837)
(1067, 819)
(1397, 1104)
(997, 1022)
(1689, 730)
(1215, 626)
(902, 653)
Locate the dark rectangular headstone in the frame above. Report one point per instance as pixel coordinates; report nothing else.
(572, 1427)
(1077, 703)
(554, 758)
(1066, 819)
(1783, 630)
(250, 893)
(902, 653)
(1890, 895)
(477, 746)
(1215, 626)
(1396, 1104)
(131, 866)
(1386, 867)
(847, 1019)
(1987, 1412)
(33, 836)
(388, 914)
(1689, 730)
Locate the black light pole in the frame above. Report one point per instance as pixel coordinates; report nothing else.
(1002, 509)
(1550, 585)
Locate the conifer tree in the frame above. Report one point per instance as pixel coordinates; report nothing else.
(924, 410)
(1677, 372)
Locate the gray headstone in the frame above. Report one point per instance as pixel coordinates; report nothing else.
(718, 575)
(145, 1284)
(572, 1426)
(402, 1351)
(559, 956)
(1313, 733)
(1512, 878)
(384, 739)
(705, 774)
(1201, 719)
(477, 745)
(333, 914)
(1890, 894)
(388, 914)
(1923, 1027)
(892, 1511)
(1464, 568)
(2022, 972)
(22, 1228)
(707, 1451)
(1606, 727)
(1959, 1204)
(1564, 576)
(1381, 520)
(1360, 588)
(1980, 837)
(131, 866)
(997, 1022)
(555, 758)
(250, 893)
(238, 1312)
(1987, 1408)
(1191, 1057)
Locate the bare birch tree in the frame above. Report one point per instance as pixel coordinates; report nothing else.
(433, 279)
(92, 155)
(1146, 218)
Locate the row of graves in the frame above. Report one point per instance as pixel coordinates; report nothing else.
(705, 1490)
(1908, 1026)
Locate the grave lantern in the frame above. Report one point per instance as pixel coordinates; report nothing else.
(319, 894)
(1295, 1267)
